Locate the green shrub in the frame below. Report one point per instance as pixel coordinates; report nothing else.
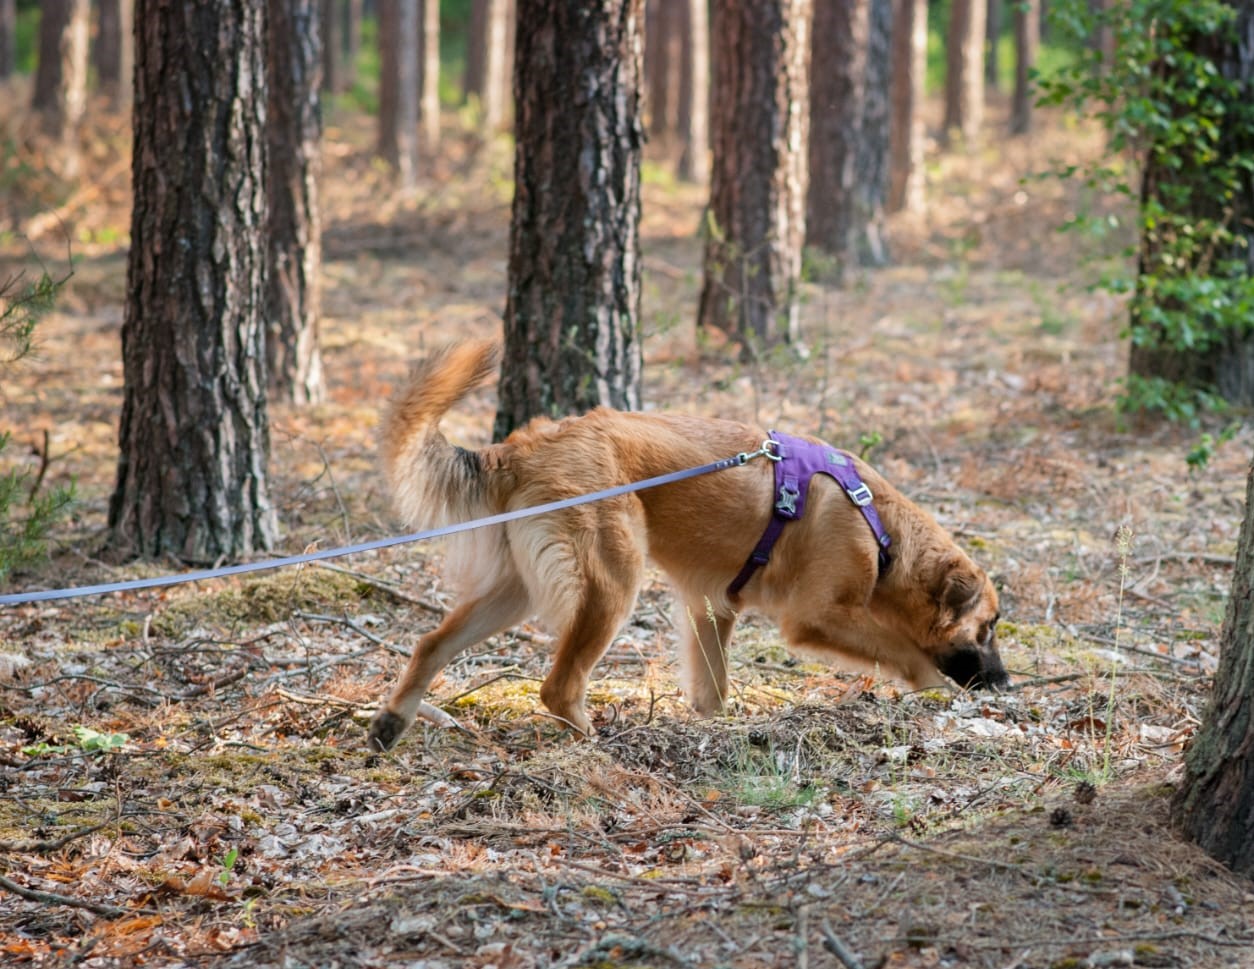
(26, 514)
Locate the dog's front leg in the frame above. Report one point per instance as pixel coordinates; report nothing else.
(703, 656)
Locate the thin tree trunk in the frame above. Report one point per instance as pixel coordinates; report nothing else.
(428, 40)
(295, 134)
(760, 131)
(573, 311)
(8, 38)
(60, 94)
(1027, 41)
(398, 88)
(906, 178)
(875, 135)
(331, 24)
(842, 31)
(1214, 804)
(194, 432)
(351, 41)
(964, 76)
(694, 93)
(992, 34)
(489, 60)
(663, 37)
(115, 50)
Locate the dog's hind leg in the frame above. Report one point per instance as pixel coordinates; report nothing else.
(609, 577)
(703, 655)
(466, 625)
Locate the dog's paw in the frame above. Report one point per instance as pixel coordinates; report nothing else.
(385, 730)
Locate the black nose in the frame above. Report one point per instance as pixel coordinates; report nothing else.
(973, 668)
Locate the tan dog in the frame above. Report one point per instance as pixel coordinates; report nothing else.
(931, 614)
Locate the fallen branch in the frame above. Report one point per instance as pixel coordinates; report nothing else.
(30, 846)
(833, 944)
(52, 898)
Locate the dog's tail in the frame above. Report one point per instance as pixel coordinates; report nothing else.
(434, 483)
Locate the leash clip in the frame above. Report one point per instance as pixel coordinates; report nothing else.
(768, 450)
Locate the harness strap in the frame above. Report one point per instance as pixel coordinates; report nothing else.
(797, 462)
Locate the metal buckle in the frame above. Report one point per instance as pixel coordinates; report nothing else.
(861, 495)
(771, 455)
(787, 504)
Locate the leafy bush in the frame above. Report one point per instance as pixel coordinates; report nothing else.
(1180, 145)
(25, 514)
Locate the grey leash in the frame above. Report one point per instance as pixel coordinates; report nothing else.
(163, 580)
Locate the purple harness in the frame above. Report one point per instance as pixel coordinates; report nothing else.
(796, 462)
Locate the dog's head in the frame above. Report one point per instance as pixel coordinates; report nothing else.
(963, 638)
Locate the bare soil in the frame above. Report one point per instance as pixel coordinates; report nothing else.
(184, 780)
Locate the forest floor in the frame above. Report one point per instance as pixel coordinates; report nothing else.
(184, 777)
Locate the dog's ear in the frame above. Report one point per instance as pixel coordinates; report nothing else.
(958, 587)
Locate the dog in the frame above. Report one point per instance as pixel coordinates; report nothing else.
(924, 613)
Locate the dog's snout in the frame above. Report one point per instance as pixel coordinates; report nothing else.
(974, 667)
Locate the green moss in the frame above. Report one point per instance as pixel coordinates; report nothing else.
(260, 600)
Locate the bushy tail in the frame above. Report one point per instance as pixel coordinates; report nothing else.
(432, 482)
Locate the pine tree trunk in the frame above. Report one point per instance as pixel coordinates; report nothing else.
(1027, 42)
(842, 30)
(760, 130)
(663, 36)
(351, 44)
(1214, 804)
(331, 28)
(398, 88)
(428, 41)
(906, 175)
(489, 60)
(8, 38)
(875, 135)
(194, 434)
(694, 93)
(573, 311)
(295, 132)
(992, 33)
(964, 75)
(60, 94)
(115, 50)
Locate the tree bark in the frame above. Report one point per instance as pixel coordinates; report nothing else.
(573, 311)
(875, 136)
(489, 60)
(760, 131)
(295, 133)
(1214, 804)
(60, 93)
(1027, 42)
(8, 38)
(694, 93)
(663, 35)
(906, 176)
(849, 130)
(194, 432)
(428, 41)
(964, 75)
(398, 88)
(115, 50)
(351, 43)
(992, 34)
(331, 27)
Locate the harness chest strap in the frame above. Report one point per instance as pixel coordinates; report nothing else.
(796, 462)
